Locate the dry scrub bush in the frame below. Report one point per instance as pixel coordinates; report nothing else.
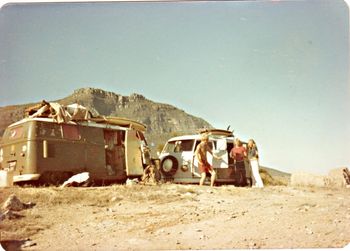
(268, 180)
(303, 179)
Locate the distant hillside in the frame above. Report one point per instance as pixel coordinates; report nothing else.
(10, 114)
(275, 172)
(162, 120)
(274, 177)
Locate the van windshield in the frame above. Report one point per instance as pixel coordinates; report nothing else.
(179, 146)
(15, 133)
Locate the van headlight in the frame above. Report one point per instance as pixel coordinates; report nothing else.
(184, 166)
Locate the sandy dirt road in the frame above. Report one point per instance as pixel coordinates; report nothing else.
(178, 217)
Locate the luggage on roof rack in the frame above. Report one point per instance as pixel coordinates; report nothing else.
(55, 142)
(124, 122)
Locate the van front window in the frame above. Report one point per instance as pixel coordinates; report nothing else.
(169, 147)
(179, 146)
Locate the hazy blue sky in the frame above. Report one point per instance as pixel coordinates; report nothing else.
(276, 71)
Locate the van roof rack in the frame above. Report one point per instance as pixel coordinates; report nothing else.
(76, 112)
(125, 122)
(219, 132)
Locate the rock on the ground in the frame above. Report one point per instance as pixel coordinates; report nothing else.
(14, 204)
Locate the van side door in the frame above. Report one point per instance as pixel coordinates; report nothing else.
(133, 155)
(221, 152)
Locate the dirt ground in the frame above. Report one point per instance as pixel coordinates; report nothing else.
(170, 216)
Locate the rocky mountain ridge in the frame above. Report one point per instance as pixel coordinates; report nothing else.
(162, 120)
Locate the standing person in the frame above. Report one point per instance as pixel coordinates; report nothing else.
(238, 153)
(204, 167)
(253, 158)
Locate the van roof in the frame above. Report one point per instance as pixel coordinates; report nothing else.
(109, 122)
(58, 113)
(198, 137)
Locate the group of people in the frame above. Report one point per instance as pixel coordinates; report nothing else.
(238, 153)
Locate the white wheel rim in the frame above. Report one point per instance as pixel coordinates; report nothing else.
(167, 165)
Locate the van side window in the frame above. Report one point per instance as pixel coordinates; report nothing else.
(187, 145)
(210, 143)
(70, 132)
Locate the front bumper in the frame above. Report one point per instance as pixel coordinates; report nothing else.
(25, 177)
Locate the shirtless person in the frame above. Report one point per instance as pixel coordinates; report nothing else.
(203, 164)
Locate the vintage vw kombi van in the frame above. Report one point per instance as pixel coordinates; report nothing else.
(178, 162)
(40, 148)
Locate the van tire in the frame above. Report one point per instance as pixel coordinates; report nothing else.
(172, 171)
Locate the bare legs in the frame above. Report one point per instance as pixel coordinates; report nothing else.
(212, 178)
(203, 176)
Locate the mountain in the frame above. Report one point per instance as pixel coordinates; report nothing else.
(10, 114)
(162, 120)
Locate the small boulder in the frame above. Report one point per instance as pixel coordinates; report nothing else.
(9, 215)
(14, 204)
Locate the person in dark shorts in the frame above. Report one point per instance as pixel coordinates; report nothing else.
(204, 167)
(238, 154)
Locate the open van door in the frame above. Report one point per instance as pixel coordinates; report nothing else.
(133, 154)
(220, 151)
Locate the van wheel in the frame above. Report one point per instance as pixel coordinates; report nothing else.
(169, 166)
